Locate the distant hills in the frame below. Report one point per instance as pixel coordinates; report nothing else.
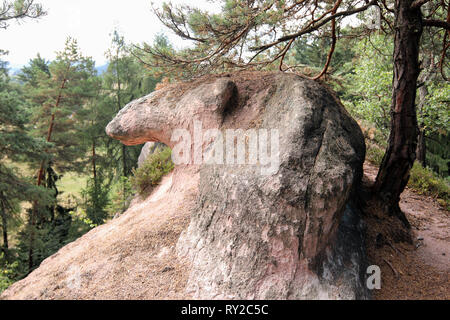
(15, 69)
(102, 69)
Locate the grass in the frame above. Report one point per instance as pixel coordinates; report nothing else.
(374, 153)
(72, 183)
(425, 181)
(70, 186)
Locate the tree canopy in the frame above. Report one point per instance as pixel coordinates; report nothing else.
(254, 34)
(261, 33)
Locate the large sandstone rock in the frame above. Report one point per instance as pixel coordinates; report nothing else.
(248, 231)
(263, 236)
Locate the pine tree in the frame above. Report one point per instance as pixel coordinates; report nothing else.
(56, 98)
(15, 142)
(16, 145)
(30, 74)
(93, 119)
(123, 81)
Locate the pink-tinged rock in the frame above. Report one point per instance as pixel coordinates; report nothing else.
(290, 234)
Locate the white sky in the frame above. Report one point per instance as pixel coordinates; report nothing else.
(88, 21)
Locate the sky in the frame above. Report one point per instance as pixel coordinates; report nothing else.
(90, 22)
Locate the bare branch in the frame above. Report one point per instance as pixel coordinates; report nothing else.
(333, 42)
(386, 7)
(436, 23)
(283, 54)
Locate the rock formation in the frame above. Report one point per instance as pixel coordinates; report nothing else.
(277, 222)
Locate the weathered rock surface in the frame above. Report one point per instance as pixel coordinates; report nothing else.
(253, 233)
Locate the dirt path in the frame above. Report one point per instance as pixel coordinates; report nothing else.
(421, 270)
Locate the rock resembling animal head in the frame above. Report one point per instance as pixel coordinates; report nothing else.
(271, 235)
(291, 234)
(155, 116)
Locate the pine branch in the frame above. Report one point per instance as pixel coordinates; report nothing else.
(315, 27)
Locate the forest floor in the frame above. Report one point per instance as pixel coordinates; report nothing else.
(420, 270)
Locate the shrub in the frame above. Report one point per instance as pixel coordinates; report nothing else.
(6, 273)
(424, 181)
(5, 282)
(152, 170)
(374, 153)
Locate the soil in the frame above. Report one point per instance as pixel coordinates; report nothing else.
(418, 270)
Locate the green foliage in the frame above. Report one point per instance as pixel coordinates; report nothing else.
(96, 200)
(222, 40)
(6, 272)
(81, 103)
(438, 153)
(121, 194)
(59, 91)
(37, 67)
(152, 170)
(309, 55)
(80, 224)
(47, 227)
(5, 281)
(16, 145)
(49, 236)
(368, 96)
(374, 153)
(435, 114)
(425, 181)
(370, 86)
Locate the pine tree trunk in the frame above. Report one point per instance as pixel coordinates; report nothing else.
(421, 148)
(394, 171)
(94, 166)
(40, 177)
(4, 228)
(124, 150)
(31, 244)
(124, 161)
